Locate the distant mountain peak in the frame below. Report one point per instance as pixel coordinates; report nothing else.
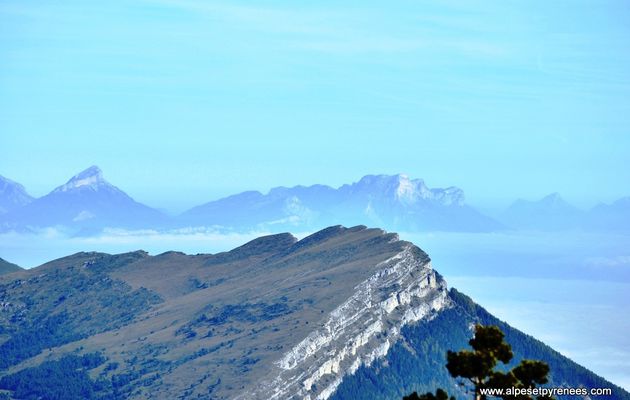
(12, 195)
(555, 201)
(552, 198)
(551, 212)
(93, 171)
(84, 205)
(7, 184)
(91, 178)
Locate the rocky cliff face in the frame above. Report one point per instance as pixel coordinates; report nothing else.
(402, 289)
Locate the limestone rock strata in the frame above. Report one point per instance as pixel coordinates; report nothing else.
(403, 289)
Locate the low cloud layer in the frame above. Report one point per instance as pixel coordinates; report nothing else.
(33, 249)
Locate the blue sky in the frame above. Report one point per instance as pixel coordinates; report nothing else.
(181, 102)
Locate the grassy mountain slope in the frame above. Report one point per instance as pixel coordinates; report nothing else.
(173, 324)
(7, 267)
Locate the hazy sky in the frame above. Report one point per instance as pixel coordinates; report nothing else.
(180, 102)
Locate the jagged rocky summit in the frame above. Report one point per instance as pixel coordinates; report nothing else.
(277, 318)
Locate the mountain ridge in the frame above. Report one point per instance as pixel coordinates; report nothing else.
(393, 201)
(86, 204)
(274, 318)
(550, 212)
(553, 213)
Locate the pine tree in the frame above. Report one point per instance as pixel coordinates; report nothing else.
(477, 366)
(439, 395)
